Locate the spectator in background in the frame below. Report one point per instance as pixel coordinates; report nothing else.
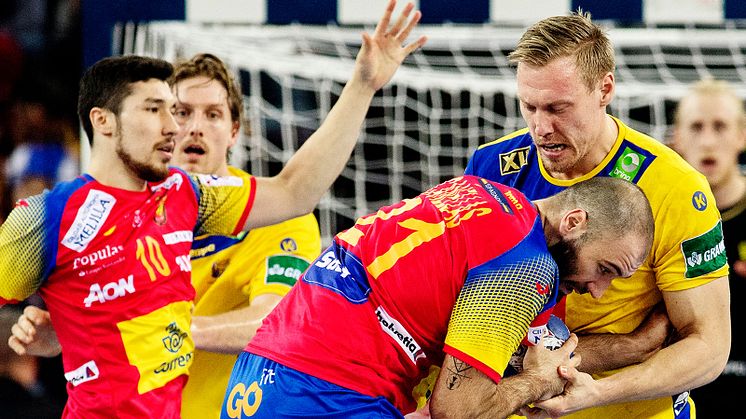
(710, 133)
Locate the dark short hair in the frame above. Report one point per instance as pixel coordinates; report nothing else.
(108, 82)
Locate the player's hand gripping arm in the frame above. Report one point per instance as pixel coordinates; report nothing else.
(230, 332)
(33, 334)
(701, 315)
(462, 391)
(308, 174)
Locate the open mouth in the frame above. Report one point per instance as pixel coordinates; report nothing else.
(194, 148)
(708, 162)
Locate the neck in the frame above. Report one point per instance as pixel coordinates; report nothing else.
(730, 192)
(549, 223)
(109, 170)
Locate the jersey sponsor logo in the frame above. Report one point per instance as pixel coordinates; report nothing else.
(680, 403)
(171, 181)
(512, 161)
(246, 400)
(181, 236)
(496, 194)
(110, 291)
(705, 253)
(535, 333)
(513, 199)
(288, 245)
(82, 374)
(542, 289)
(284, 269)
(627, 165)
(160, 211)
(175, 338)
(402, 337)
(330, 262)
(99, 255)
(699, 201)
(91, 216)
(149, 341)
(214, 180)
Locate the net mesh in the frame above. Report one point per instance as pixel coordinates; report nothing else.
(454, 94)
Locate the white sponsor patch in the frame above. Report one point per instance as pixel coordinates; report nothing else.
(86, 372)
(180, 236)
(89, 220)
(174, 179)
(394, 329)
(212, 180)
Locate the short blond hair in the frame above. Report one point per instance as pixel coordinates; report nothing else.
(574, 35)
(712, 87)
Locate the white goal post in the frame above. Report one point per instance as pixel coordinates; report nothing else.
(456, 93)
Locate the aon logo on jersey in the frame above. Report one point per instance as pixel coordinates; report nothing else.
(110, 291)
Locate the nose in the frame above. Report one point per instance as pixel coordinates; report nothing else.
(597, 288)
(708, 138)
(542, 123)
(194, 125)
(170, 126)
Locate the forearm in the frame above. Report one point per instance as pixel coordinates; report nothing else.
(482, 398)
(230, 332)
(313, 168)
(606, 352)
(687, 364)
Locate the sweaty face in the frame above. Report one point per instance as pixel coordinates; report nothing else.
(591, 266)
(565, 119)
(709, 135)
(208, 131)
(146, 130)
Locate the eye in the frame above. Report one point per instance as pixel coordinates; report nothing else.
(604, 270)
(214, 115)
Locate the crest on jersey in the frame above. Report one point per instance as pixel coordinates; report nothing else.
(160, 212)
(512, 161)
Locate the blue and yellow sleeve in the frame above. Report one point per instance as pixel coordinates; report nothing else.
(25, 254)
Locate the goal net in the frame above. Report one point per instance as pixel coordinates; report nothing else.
(456, 93)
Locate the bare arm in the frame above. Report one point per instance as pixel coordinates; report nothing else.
(33, 334)
(701, 316)
(230, 332)
(313, 168)
(462, 391)
(606, 352)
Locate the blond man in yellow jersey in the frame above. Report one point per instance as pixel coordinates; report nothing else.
(237, 281)
(565, 80)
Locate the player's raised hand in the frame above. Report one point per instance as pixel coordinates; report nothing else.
(33, 334)
(383, 52)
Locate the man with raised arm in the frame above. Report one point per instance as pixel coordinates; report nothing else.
(109, 251)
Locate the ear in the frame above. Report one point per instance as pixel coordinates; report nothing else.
(235, 132)
(573, 224)
(608, 87)
(103, 121)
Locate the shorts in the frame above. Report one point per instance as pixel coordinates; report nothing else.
(262, 388)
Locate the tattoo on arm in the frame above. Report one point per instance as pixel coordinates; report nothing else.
(457, 372)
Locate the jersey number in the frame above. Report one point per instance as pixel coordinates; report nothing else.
(423, 232)
(152, 258)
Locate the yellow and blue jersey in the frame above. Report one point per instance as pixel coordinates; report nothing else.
(688, 246)
(227, 274)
